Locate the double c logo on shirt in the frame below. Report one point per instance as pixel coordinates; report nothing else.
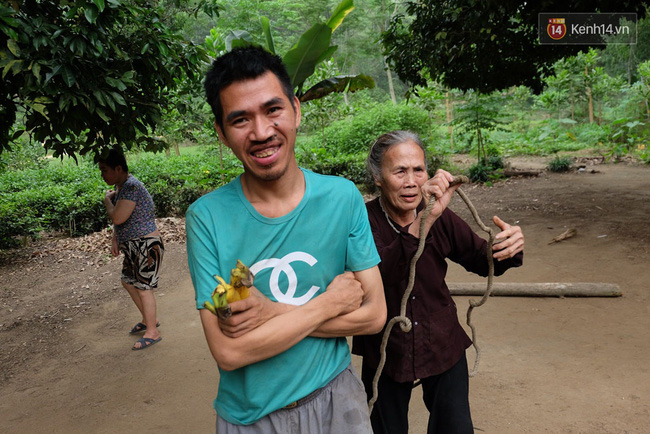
(283, 265)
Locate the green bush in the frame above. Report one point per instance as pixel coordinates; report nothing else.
(67, 197)
(349, 166)
(479, 172)
(560, 164)
(17, 220)
(488, 170)
(355, 135)
(495, 162)
(24, 154)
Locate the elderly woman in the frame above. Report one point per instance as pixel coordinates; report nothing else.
(434, 350)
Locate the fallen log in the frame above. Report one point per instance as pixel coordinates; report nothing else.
(548, 289)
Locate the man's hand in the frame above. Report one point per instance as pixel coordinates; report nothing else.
(511, 240)
(248, 314)
(345, 292)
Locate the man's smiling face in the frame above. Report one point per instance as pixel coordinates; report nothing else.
(260, 125)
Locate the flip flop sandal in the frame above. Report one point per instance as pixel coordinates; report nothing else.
(145, 343)
(140, 328)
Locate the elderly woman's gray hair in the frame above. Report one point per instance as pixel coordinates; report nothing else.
(384, 143)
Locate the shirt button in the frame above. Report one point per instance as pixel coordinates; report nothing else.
(416, 323)
(413, 298)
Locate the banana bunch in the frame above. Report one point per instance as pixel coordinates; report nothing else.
(241, 279)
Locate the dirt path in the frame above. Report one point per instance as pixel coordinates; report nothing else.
(549, 364)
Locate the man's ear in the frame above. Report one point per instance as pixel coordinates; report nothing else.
(296, 104)
(220, 133)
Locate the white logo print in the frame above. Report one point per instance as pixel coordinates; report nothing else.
(283, 266)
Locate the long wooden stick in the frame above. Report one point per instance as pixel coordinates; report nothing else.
(547, 289)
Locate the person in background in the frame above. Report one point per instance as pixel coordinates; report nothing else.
(434, 350)
(131, 209)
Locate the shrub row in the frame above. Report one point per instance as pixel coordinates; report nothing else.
(67, 197)
(355, 135)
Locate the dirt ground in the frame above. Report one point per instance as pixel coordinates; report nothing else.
(549, 365)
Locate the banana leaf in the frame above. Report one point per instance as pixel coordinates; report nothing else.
(301, 60)
(340, 83)
(341, 11)
(266, 29)
(237, 38)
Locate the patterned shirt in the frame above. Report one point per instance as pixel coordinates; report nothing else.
(141, 221)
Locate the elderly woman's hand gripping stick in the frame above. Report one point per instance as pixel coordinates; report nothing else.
(440, 187)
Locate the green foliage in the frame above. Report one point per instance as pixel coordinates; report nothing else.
(25, 154)
(312, 48)
(58, 197)
(478, 115)
(620, 59)
(470, 44)
(175, 182)
(560, 164)
(625, 135)
(69, 198)
(479, 172)
(438, 160)
(83, 75)
(486, 171)
(495, 162)
(349, 166)
(643, 153)
(357, 133)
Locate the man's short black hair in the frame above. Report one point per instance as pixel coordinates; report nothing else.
(114, 158)
(244, 63)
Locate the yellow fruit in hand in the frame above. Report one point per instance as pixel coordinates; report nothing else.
(232, 294)
(241, 279)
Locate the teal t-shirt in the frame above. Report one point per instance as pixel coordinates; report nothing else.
(294, 258)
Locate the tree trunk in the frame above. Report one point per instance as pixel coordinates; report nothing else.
(482, 156)
(589, 97)
(600, 112)
(591, 106)
(450, 118)
(389, 75)
(630, 62)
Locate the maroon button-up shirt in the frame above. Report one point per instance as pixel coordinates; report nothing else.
(436, 340)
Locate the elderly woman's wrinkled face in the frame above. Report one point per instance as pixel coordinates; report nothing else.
(402, 174)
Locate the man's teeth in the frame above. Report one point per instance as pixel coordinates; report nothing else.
(266, 153)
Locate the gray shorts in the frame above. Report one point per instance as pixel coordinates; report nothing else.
(340, 407)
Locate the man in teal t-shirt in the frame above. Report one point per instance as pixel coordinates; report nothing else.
(283, 360)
